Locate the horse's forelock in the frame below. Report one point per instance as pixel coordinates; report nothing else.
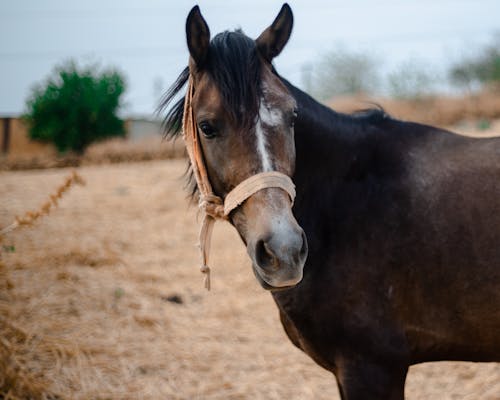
(235, 68)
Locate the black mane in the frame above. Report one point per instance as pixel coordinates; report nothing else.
(234, 66)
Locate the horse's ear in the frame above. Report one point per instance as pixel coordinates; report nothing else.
(198, 36)
(273, 39)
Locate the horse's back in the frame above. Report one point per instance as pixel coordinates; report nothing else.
(452, 272)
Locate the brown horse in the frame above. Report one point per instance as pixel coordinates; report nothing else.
(402, 219)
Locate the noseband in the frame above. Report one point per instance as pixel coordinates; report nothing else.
(213, 207)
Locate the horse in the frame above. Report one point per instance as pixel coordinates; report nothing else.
(389, 256)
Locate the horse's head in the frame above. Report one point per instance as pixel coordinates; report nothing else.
(245, 117)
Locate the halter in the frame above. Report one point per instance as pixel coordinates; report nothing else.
(213, 207)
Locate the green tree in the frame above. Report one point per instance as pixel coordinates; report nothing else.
(76, 106)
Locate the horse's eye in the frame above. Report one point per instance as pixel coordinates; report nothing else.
(294, 117)
(208, 130)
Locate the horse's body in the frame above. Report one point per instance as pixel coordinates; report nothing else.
(403, 225)
(402, 220)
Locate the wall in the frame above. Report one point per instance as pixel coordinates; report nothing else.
(19, 142)
(21, 145)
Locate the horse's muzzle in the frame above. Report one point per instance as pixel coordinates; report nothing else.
(279, 257)
(275, 242)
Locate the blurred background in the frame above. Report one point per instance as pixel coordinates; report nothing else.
(102, 299)
(344, 53)
(146, 40)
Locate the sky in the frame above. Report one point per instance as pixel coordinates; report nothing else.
(146, 39)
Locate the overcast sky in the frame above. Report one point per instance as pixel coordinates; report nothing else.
(145, 39)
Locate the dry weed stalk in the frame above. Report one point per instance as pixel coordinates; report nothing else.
(17, 379)
(31, 216)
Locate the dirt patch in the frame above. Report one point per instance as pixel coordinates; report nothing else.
(103, 299)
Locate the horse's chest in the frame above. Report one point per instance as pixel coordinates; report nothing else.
(309, 334)
(302, 339)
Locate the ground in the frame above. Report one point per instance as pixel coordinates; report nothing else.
(103, 299)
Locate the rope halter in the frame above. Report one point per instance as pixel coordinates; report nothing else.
(212, 206)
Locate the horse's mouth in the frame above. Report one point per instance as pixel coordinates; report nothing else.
(267, 286)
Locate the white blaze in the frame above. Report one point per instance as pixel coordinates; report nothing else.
(271, 118)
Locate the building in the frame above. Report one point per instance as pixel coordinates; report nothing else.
(15, 141)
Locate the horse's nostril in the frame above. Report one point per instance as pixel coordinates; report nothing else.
(264, 256)
(303, 249)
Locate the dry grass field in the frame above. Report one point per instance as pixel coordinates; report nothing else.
(435, 110)
(103, 299)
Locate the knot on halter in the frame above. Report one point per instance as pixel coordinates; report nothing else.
(205, 269)
(212, 206)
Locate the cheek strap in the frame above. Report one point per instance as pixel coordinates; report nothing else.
(212, 206)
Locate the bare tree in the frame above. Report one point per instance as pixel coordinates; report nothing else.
(344, 72)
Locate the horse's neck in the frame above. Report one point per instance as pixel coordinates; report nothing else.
(327, 143)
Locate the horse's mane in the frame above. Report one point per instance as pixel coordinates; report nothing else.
(234, 66)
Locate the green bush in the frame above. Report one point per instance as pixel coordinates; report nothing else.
(75, 107)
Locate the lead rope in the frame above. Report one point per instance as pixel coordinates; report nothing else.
(212, 206)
